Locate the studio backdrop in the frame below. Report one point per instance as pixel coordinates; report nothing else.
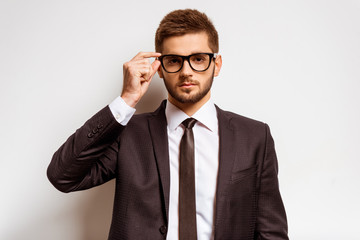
(291, 64)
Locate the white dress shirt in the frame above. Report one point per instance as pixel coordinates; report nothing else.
(206, 139)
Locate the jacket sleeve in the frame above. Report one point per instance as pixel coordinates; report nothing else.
(88, 157)
(271, 219)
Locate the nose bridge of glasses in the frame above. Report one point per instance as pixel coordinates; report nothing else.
(185, 65)
(187, 58)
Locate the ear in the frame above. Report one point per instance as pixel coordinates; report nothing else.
(218, 64)
(159, 71)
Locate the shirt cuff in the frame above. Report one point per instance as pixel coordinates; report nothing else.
(121, 111)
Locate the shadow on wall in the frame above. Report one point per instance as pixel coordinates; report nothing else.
(96, 212)
(153, 97)
(83, 215)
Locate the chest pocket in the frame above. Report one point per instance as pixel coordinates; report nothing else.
(238, 176)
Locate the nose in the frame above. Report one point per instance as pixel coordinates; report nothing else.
(186, 69)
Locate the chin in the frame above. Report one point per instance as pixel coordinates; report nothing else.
(189, 98)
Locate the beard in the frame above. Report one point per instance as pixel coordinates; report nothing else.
(186, 95)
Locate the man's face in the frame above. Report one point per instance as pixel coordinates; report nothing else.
(189, 86)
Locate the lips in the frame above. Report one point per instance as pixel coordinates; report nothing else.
(187, 84)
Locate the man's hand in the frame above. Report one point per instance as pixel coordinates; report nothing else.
(138, 73)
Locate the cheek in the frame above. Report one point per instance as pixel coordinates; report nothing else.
(170, 78)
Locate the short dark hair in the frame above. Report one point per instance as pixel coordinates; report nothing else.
(181, 22)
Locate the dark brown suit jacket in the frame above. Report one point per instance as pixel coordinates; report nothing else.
(248, 202)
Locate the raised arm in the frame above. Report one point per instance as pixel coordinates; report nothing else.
(88, 158)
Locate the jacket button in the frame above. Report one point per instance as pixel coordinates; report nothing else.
(99, 126)
(90, 135)
(95, 130)
(163, 229)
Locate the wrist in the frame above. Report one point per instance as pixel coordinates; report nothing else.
(130, 100)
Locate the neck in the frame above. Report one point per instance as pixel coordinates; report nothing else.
(190, 108)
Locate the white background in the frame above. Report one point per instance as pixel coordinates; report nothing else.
(292, 64)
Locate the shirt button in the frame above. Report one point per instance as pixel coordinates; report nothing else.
(163, 229)
(117, 116)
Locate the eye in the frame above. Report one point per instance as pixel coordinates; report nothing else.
(172, 60)
(198, 58)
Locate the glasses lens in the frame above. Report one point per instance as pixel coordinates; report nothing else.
(200, 62)
(172, 63)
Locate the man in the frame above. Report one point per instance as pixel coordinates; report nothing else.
(213, 179)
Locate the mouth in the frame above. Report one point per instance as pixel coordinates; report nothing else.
(187, 84)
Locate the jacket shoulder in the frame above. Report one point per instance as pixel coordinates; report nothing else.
(241, 123)
(238, 119)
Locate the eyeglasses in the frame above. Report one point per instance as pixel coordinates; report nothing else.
(198, 62)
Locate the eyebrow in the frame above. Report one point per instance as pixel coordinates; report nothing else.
(195, 52)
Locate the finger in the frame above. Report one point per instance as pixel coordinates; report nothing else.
(144, 73)
(155, 66)
(147, 72)
(142, 55)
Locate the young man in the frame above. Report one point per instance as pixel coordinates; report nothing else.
(213, 179)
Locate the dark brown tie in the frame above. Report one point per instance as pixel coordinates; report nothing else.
(187, 203)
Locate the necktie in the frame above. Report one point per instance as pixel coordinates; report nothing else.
(187, 204)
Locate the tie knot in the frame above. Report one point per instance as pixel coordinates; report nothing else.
(189, 122)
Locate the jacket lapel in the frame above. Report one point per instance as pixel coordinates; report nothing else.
(158, 132)
(226, 160)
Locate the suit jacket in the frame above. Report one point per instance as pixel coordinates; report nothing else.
(248, 202)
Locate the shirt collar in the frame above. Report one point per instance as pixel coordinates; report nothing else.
(206, 115)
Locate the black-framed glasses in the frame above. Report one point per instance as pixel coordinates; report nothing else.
(198, 62)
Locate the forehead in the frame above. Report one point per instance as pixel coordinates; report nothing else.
(186, 44)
